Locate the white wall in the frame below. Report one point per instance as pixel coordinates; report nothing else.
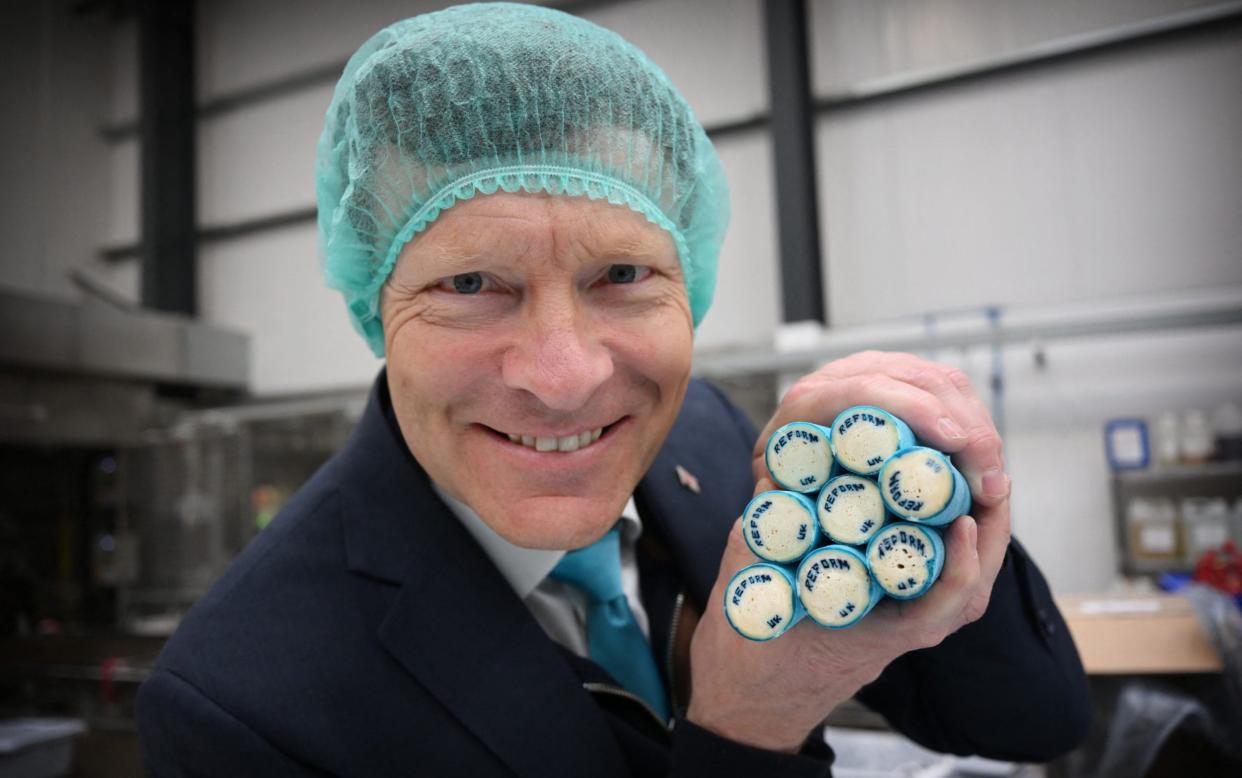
(269, 286)
(1112, 176)
(1107, 176)
(863, 42)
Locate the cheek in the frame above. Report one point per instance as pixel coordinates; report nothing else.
(435, 369)
(660, 348)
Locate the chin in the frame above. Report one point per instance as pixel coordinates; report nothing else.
(556, 522)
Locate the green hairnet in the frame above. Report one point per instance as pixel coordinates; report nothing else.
(499, 96)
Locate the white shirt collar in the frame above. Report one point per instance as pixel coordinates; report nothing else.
(525, 568)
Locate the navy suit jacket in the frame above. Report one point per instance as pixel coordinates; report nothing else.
(365, 633)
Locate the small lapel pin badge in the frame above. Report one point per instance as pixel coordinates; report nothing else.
(687, 479)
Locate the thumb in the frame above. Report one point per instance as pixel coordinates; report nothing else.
(764, 484)
(737, 554)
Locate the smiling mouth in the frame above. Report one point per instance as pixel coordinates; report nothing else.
(565, 444)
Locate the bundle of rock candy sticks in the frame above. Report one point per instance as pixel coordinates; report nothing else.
(858, 517)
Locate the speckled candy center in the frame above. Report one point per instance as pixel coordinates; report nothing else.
(834, 587)
(863, 440)
(759, 602)
(799, 457)
(900, 559)
(917, 484)
(779, 527)
(850, 509)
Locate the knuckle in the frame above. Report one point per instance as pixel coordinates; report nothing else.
(799, 390)
(984, 439)
(976, 607)
(930, 376)
(958, 379)
(868, 383)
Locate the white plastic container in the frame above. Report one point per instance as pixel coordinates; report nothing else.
(1205, 524)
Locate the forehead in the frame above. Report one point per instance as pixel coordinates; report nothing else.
(506, 226)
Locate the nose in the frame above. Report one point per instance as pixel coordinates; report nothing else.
(557, 356)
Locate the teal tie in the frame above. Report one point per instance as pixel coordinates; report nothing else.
(614, 639)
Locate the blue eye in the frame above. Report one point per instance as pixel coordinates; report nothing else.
(622, 274)
(467, 283)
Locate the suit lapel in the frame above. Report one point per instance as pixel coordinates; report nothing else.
(455, 624)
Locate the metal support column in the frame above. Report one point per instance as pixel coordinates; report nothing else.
(166, 135)
(793, 144)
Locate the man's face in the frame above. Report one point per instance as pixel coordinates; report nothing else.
(551, 320)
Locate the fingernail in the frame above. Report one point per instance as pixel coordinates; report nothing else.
(995, 484)
(974, 538)
(950, 429)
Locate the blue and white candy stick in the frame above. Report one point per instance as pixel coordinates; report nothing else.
(780, 526)
(850, 509)
(761, 601)
(835, 586)
(920, 484)
(799, 457)
(906, 559)
(864, 436)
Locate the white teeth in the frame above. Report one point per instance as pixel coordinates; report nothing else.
(567, 444)
(545, 444)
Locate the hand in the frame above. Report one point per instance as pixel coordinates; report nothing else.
(771, 695)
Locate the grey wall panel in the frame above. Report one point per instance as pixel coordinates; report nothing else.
(123, 73)
(269, 285)
(857, 42)
(1119, 175)
(243, 43)
(54, 200)
(122, 225)
(746, 308)
(712, 50)
(261, 160)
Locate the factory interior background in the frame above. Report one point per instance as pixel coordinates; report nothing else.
(1045, 194)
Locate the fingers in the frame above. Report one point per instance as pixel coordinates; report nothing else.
(820, 400)
(965, 430)
(763, 484)
(736, 555)
(937, 401)
(932, 617)
(994, 530)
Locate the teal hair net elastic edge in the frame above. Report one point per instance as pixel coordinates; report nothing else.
(363, 304)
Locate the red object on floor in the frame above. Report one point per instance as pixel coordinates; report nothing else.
(1221, 568)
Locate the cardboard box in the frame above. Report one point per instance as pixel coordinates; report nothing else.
(1138, 634)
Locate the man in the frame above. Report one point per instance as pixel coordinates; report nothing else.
(524, 219)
